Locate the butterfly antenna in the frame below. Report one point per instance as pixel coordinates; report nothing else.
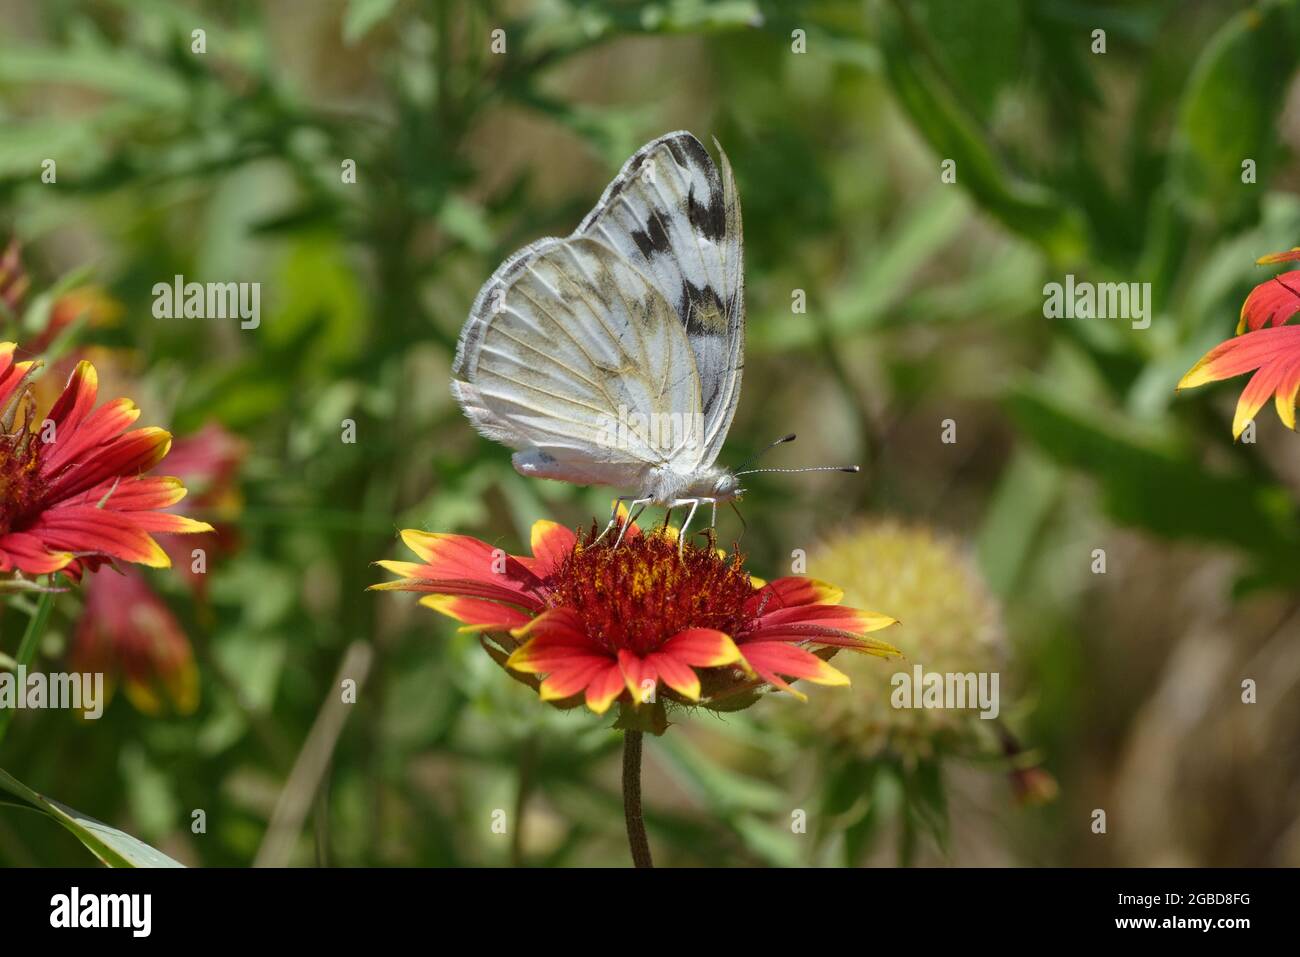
(754, 458)
(815, 468)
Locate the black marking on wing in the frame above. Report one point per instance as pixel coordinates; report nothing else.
(693, 301)
(709, 218)
(654, 238)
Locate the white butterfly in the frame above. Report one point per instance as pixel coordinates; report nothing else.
(614, 356)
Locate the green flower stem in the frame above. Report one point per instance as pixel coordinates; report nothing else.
(27, 649)
(527, 775)
(636, 837)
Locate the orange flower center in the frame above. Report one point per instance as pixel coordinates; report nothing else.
(640, 594)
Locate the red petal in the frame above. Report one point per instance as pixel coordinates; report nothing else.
(1274, 352)
(12, 374)
(78, 398)
(676, 675)
(28, 553)
(1243, 354)
(784, 592)
(604, 688)
(1289, 256)
(550, 639)
(701, 648)
(826, 616)
(127, 455)
(465, 557)
(640, 675)
(477, 614)
(1274, 301)
(97, 530)
(462, 586)
(551, 544)
(771, 659)
(136, 494)
(573, 677)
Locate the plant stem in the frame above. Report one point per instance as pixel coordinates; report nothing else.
(636, 838)
(527, 769)
(27, 649)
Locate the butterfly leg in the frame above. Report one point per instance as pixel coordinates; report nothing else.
(713, 522)
(694, 503)
(613, 515)
(635, 509)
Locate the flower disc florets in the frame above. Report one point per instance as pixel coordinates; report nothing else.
(638, 595)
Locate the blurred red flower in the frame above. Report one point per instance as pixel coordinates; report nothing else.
(73, 493)
(1273, 354)
(128, 633)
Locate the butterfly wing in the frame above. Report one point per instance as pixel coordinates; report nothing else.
(569, 354)
(671, 213)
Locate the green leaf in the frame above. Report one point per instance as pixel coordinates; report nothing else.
(1228, 114)
(1158, 487)
(980, 46)
(1032, 210)
(1027, 491)
(24, 146)
(113, 847)
(725, 792)
(775, 844)
(115, 72)
(882, 279)
(927, 802)
(464, 219)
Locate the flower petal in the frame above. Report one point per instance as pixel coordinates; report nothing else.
(77, 399)
(826, 637)
(99, 531)
(837, 617)
(551, 543)
(1274, 302)
(28, 552)
(1243, 353)
(478, 614)
(784, 592)
(771, 659)
(136, 493)
(637, 671)
(464, 557)
(702, 648)
(12, 374)
(676, 675)
(573, 678)
(550, 639)
(605, 688)
(77, 466)
(1291, 255)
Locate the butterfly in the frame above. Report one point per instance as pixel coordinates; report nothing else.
(614, 356)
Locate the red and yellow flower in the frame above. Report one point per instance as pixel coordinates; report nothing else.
(581, 620)
(73, 489)
(1273, 354)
